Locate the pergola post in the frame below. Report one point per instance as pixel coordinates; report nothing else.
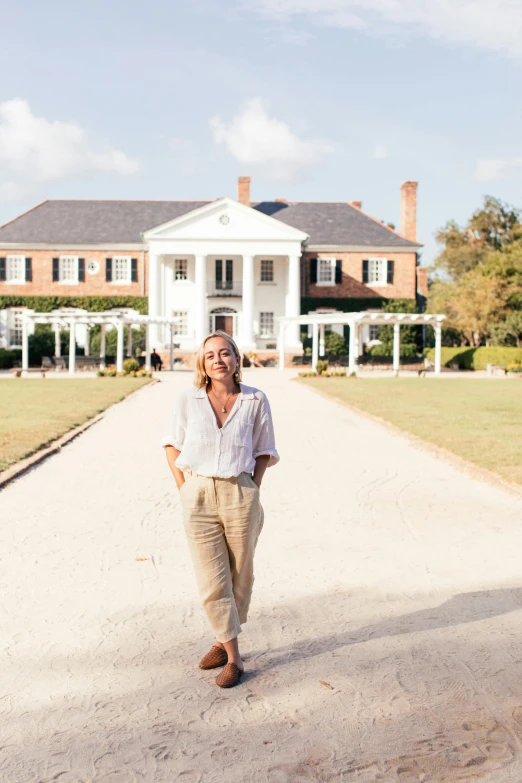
(315, 345)
(281, 345)
(102, 346)
(25, 344)
(87, 340)
(72, 347)
(396, 348)
(351, 348)
(438, 345)
(171, 347)
(119, 346)
(147, 347)
(129, 339)
(57, 342)
(322, 347)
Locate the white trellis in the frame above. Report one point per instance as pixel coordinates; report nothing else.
(118, 319)
(356, 321)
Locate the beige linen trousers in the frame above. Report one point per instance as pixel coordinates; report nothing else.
(223, 519)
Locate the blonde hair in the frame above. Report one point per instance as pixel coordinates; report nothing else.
(201, 378)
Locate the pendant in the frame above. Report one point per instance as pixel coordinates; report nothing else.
(223, 409)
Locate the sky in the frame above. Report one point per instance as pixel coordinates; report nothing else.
(316, 100)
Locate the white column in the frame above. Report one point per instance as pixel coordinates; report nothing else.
(247, 339)
(281, 345)
(438, 345)
(25, 344)
(102, 346)
(72, 348)
(87, 339)
(322, 346)
(293, 301)
(200, 319)
(396, 348)
(154, 294)
(129, 339)
(147, 347)
(57, 343)
(351, 348)
(171, 347)
(119, 347)
(315, 345)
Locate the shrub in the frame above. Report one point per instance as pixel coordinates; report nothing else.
(335, 344)
(514, 368)
(307, 374)
(321, 366)
(469, 358)
(7, 358)
(130, 365)
(407, 350)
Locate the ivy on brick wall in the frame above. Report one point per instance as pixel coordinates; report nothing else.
(356, 305)
(44, 304)
(345, 305)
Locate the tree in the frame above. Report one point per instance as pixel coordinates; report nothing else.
(492, 228)
(480, 288)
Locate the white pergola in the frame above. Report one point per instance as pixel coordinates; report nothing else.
(118, 319)
(356, 321)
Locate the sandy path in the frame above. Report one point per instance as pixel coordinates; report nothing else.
(381, 571)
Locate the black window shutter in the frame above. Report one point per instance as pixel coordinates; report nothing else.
(134, 270)
(229, 270)
(28, 270)
(81, 270)
(219, 270)
(108, 270)
(56, 270)
(338, 271)
(389, 271)
(2, 270)
(313, 270)
(366, 271)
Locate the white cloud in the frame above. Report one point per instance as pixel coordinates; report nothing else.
(34, 150)
(494, 169)
(255, 138)
(491, 26)
(380, 151)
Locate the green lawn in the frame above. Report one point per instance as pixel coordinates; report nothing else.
(34, 412)
(477, 419)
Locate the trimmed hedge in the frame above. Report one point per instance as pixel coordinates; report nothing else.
(7, 358)
(44, 304)
(346, 305)
(469, 358)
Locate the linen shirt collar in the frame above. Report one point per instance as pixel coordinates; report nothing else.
(246, 392)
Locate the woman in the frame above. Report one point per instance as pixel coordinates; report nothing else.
(218, 446)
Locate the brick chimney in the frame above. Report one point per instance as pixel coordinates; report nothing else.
(243, 190)
(409, 210)
(356, 204)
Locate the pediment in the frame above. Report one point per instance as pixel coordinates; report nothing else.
(225, 219)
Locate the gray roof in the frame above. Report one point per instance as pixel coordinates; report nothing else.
(116, 222)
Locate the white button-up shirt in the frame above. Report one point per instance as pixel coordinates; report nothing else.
(222, 452)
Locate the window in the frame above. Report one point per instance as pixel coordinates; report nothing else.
(325, 271)
(377, 270)
(15, 269)
(180, 269)
(267, 270)
(224, 275)
(15, 328)
(68, 270)
(121, 269)
(266, 324)
(181, 328)
(374, 331)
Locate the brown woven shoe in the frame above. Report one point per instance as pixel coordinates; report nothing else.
(214, 658)
(229, 677)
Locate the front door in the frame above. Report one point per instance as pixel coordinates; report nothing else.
(225, 324)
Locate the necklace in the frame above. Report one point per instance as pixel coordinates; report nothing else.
(224, 408)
